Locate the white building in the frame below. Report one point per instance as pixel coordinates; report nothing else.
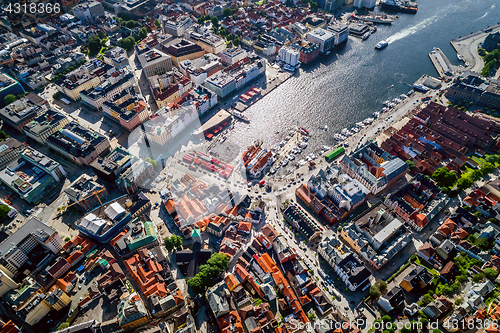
(324, 38)
(232, 56)
(289, 56)
(155, 62)
(178, 26)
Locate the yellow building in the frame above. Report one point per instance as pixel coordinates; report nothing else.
(184, 50)
(351, 238)
(132, 313)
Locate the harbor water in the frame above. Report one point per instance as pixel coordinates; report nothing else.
(353, 81)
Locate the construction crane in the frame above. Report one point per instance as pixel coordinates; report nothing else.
(94, 193)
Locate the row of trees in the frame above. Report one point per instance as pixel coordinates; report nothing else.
(217, 264)
(491, 61)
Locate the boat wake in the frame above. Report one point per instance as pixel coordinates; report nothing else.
(417, 27)
(485, 14)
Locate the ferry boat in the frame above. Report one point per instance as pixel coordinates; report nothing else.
(420, 87)
(381, 44)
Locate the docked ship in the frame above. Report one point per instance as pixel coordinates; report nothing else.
(381, 45)
(400, 6)
(420, 87)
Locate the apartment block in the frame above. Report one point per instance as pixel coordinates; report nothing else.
(9, 151)
(111, 85)
(373, 167)
(231, 56)
(86, 192)
(44, 125)
(21, 112)
(139, 173)
(177, 26)
(85, 77)
(198, 70)
(324, 38)
(168, 87)
(32, 175)
(199, 97)
(205, 38)
(78, 144)
(127, 108)
(183, 50)
(111, 166)
(155, 62)
(116, 57)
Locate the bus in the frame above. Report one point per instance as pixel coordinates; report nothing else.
(334, 153)
(65, 101)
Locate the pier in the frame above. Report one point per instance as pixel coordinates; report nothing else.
(443, 65)
(467, 47)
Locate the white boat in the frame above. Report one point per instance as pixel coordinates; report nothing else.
(368, 121)
(396, 100)
(326, 128)
(391, 105)
(403, 96)
(376, 114)
(386, 102)
(385, 109)
(360, 125)
(345, 132)
(355, 129)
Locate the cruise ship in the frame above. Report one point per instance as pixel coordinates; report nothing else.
(381, 45)
(420, 87)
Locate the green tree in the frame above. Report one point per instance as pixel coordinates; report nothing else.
(314, 6)
(490, 273)
(492, 159)
(101, 34)
(215, 21)
(478, 277)
(94, 44)
(424, 322)
(169, 244)
(487, 168)
(410, 163)
(386, 318)
(226, 12)
(151, 161)
(236, 41)
(464, 183)
(131, 24)
(475, 175)
(4, 210)
(56, 96)
(3, 135)
(375, 291)
(219, 260)
(311, 316)
(427, 299)
(142, 33)
(127, 43)
(9, 99)
(157, 23)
